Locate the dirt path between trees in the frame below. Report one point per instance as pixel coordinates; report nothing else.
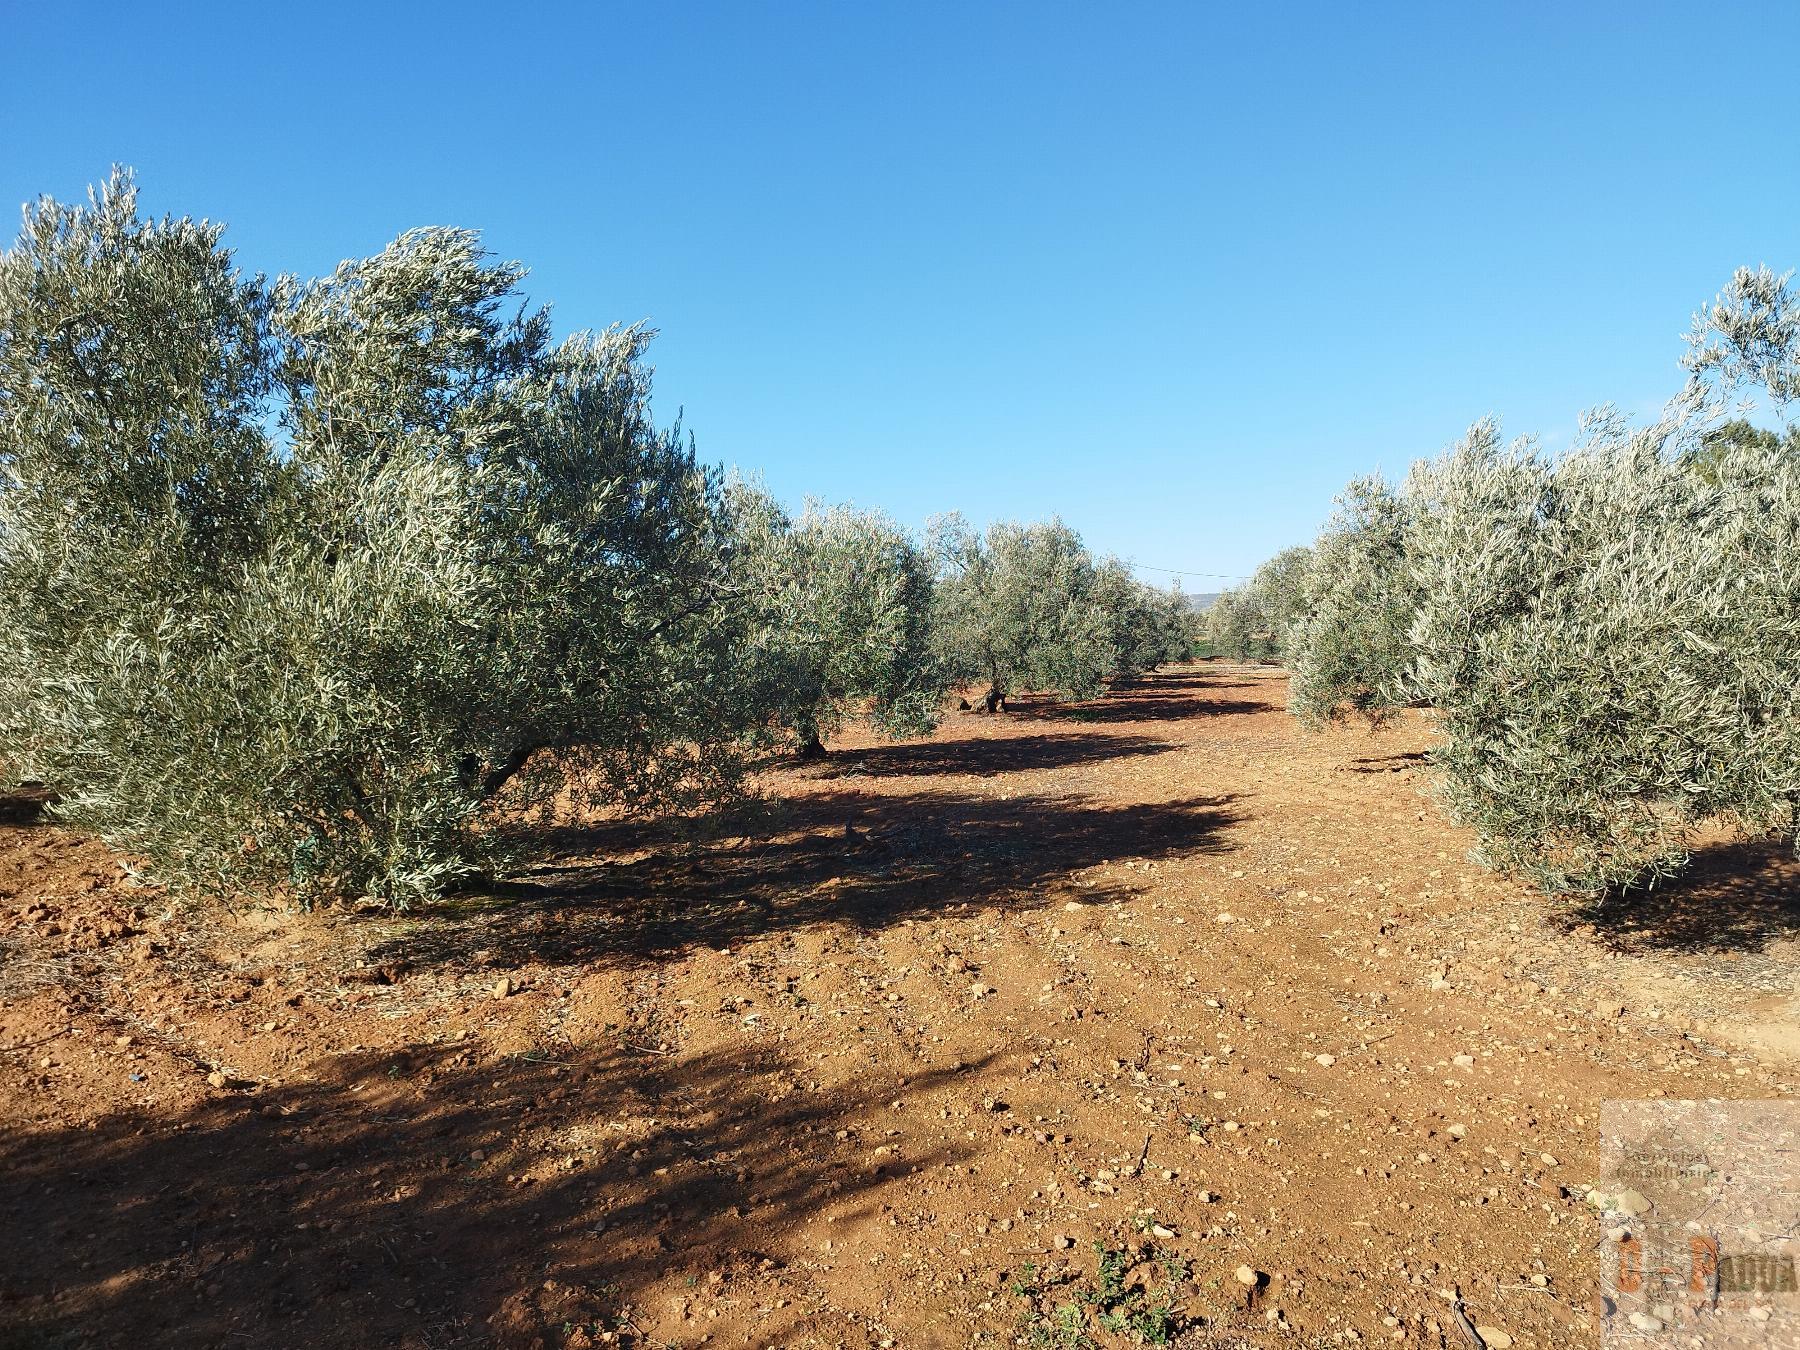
(879, 1064)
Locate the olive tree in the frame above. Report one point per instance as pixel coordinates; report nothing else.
(1604, 637)
(1175, 620)
(1015, 609)
(1278, 588)
(1350, 645)
(136, 489)
(1238, 627)
(841, 606)
(1750, 335)
(469, 564)
(1258, 619)
(1542, 640)
(1608, 637)
(1738, 433)
(1143, 625)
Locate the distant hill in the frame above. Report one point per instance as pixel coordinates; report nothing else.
(1202, 601)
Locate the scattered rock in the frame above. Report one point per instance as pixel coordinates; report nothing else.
(1631, 1202)
(926, 957)
(1645, 1322)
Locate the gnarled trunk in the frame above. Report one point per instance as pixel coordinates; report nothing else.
(808, 743)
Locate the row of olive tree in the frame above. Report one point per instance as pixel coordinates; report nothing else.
(1028, 607)
(840, 608)
(1609, 637)
(298, 580)
(1255, 621)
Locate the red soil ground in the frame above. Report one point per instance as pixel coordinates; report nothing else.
(876, 1065)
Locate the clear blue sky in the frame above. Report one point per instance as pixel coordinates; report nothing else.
(1174, 271)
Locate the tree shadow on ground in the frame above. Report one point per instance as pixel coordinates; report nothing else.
(984, 756)
(433, 1197)
(24, 805)
(1735, 897)
(640, 892)
(1176, 696)
(1399, 762)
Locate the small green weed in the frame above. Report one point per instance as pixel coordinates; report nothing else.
(1062, 1312)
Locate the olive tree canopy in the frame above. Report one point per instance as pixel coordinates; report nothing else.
(295, 578)
(841, 606)
(1015, 610)
(1350, 646)
(1607, 638)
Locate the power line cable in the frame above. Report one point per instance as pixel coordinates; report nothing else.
(1176, 571)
